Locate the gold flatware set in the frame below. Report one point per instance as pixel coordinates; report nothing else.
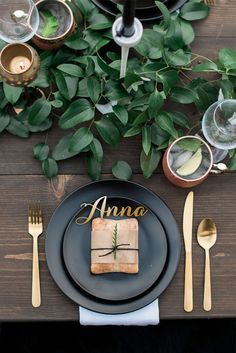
(206, 237)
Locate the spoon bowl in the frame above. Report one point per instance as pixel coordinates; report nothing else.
(206, 237)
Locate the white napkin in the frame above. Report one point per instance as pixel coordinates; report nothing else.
(149, 315)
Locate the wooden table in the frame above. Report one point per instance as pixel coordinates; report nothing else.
(21, 181)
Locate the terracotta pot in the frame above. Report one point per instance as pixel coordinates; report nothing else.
(12, 57)
(66, 27)
(176, 179)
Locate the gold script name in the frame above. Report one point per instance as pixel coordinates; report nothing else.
(127, 211)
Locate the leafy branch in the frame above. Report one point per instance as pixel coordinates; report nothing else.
(85, 97)
(114, 240)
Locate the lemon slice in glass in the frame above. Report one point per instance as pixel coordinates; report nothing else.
(191, 165)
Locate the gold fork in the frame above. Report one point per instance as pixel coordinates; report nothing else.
(35, 228)
(209, 2)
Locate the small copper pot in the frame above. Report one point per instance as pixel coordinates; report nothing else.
(70, 25)
(19, 64)
(176, 179)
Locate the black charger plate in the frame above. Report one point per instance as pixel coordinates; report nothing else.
(148, 14)
(62, 216)
(115, 286)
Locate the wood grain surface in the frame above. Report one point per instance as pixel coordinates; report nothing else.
(21, 181)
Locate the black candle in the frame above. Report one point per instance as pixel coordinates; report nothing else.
(128, 18)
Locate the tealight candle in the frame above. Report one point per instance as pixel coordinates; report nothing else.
(19, 64)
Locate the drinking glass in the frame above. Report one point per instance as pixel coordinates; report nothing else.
(219, 124)
(19, 20)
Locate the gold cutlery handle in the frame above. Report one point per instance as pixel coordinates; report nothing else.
(188, 283)
(36, 294)
(207, 283)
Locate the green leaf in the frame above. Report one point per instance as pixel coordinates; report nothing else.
(41, 151)
(121, 113)
(42, 80)
(51, 24)
(194, 11)
(61, 150)
(165, 122)
(94, 88)
(231, 152)
(131, 78)
(106, 68)
(179, 119)
(227, 89)
(169, 79)
(146, 139)
(158, 135)
(17, 128)
(71, 69)
(149, 163)
(187, 31)
(165, 13)
(85, 6)
(78, 112)
(189, 144)
(39, 111)
(155, 103)
(76, 41)
(227, 58)
(232, 165)
(122, 170)
(4, 121)
(205, 67)
(183, 95)
(177, 58)
(90, 68)
(81, 139)
(57, 103)
(151, 44)
(50, 167)
(133, 131)
(99, 21)
(108, 131)
(12, 94)
(67, 85)
(97, 150)
(141, 118)
(93, 167)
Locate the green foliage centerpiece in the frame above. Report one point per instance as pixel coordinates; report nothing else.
(87, 100)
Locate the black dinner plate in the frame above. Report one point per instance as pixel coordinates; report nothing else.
(62, 216)
(148, 14)
(115, 286)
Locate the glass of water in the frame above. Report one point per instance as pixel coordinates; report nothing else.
(219, 124)
(19, 20)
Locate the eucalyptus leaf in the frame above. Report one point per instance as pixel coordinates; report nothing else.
(165, 122)
(232, 165)
(93, 167)
(108, 131)
(17, 128)
(183, 95)
(155, 103)
(149, 163)
(78, 112)
(71, 69)
(121, 113)
(61, 150)
(227, 58)
(12, 94)
(93, 88)
(192, 11)
(146, 139)
(39, 111)
(41, 151)
(4, 121)
(97, 150)
(122, 170)
(50, 167)
(133, 131)
(81, 139)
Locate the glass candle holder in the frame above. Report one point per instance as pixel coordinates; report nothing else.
(19, 20)
(19, 64)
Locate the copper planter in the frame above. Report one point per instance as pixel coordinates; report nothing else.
(67, 25)
(19, 64)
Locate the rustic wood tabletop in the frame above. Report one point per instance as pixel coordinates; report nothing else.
(21, 181)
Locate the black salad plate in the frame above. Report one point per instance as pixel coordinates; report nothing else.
(115, 286)
(143, 14)
(63, 215)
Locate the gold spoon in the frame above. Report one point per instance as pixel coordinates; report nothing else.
(206, 237)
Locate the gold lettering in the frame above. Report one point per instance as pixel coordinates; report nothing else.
(110, 211)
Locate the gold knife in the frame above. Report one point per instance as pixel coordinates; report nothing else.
(188, 232)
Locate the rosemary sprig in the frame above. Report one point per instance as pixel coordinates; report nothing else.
(114, 240)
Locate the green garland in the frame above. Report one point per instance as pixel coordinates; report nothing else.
(86, 98)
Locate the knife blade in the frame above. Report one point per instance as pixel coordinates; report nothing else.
(187, 234)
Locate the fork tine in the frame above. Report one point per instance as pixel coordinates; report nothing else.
(40, 214)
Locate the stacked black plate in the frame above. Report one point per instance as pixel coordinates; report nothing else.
(146, 10)
(68, 249)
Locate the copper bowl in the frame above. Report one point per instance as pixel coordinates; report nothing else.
(67, 25)
(12, 51)
(176, 179)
